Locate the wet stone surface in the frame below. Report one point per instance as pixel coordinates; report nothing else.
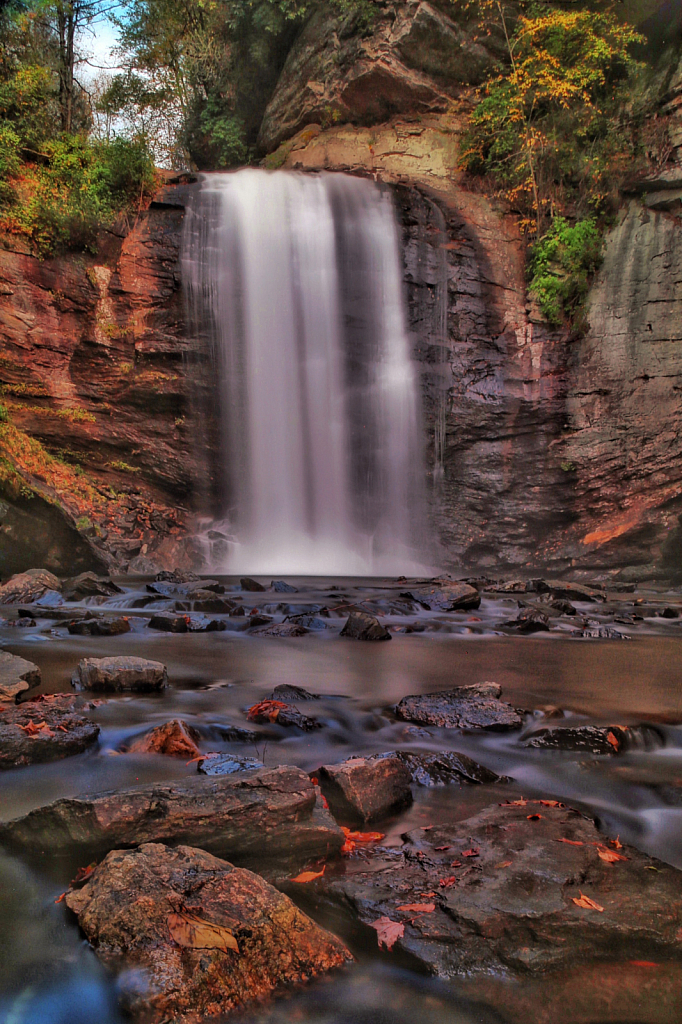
(466, 707)
(47, 730)
(365, 789)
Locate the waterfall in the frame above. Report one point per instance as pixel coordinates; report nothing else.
(295, 282)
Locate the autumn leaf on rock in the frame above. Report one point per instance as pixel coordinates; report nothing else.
(610, 738)
(569, 842)
(83, 874)
(388, 932)
(616, 843)
(610, 856)
(363, 837)
(195, 933)
(586, 903)
(418, 908)
(447, 883)
(473, 852)
(550, 803)
(504, 864)
(347, 847)
(269, 709)
(308, 876)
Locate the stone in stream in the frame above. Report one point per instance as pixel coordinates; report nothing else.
(280, 587)
(177, 576)
(259, 815)
(196, 936)
(594, 739)
(287, 691)
(445, 596)
(465, 707)
(27, 587)
(366, 788)
(47, 730)
(99, 627)
(252, 586)
(361, 626)
(277, 629)
(503, 886)
(278, 712)
(599, 633)
(313, 622)
(228, 764)
(174, 739)
(16, 676)
(125, 673)
(529, 620)
(212, 604)
(573, 591)
(444, 768)
(89, 584)
(170, 623)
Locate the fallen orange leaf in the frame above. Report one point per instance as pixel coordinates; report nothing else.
(504, 864)
(363, 837)
(418, 908)
(473, 852)
(195, 933)
(456, 864)
(388, 932)
(447, 883)
(569, 842)
(348, 847)
(84, 873)
(613, 740)
(616, 843)
(515, 803)
(265, 709)
(610, 856)
(202, 757)
(586, 903)
(308, 876)
(550, 803)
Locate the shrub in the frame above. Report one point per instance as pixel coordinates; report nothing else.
(561, 265)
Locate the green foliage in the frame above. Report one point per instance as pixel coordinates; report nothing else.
(224, 136)
(560, 267)
(4, 413)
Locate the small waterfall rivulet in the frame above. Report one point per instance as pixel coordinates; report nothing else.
(295, 282)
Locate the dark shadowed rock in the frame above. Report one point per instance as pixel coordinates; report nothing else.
(48, 730)
(253, 586)
(124, 673)
(505, 884)
(174, 739)
(529, 620)
(169, 623)
(228, 764)
(287, 691)
(574, 591)
(364, 789)
(89, 584)
(465, 707)
(245, 816)
(278, 712)
(99, 627)
(361, 626)
(313, 622)
(137, 910)
(27, 587)
(444, 768)
(278, 629)
(599, 633)
(595, 739)
(213, 604)
(280, 587)
(16, 676)
(445, 596)
(177, 576)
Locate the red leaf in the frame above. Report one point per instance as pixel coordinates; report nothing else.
(363, 837)
(613, 740)
(418, 908)
(586, 903)
(473, 852)
(447, 883)
(569, 842)
(388, 932)
(610, 856)
(308, 876)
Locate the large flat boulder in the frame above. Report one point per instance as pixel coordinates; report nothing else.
(465, 707)
(365, 789)
(518, 887)
(16, 676)
(42, 731)
(196, 937)
(445, 596)
(361, 626)
(256, 815)
(27, 587)
(124, 673)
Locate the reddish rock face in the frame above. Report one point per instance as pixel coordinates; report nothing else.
(164, 914)
(366, 789)
(175, 739)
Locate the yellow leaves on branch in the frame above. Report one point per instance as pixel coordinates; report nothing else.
(193, 932)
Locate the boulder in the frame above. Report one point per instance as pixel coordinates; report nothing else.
(252, 586)
(278, 712)
(361, 626)
(196, 937)
(444, 768)
(169, 623)
(280, 587)
(279, 629)
(574, 591)
(287, 692)
(177, 576)
(16, 676)
(126, 673)
(174, 739)
(465, 707)
(250, 816)
(35, 732)
(214, 604)
(99, 627)
(227, 764)
(312, 622)
(27, 587)
(509, 890)
(89, 584)
(594, 739)
(445, 596)
(364, 789)
(529, 620)
(599, 633)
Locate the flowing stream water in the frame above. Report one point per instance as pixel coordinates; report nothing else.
(295, 281)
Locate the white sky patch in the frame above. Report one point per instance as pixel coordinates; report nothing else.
(97, 44)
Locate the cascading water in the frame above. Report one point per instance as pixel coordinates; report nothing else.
(296, 282)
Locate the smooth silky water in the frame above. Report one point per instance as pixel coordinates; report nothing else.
(293, 287)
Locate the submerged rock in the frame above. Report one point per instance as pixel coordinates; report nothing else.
(174, 739)
(99, 627)
(228, 764)
(278, 629)
(287, 691)
(280, 587)
(255, 816)
(361, 626)
(465, 707)
(89, 584)
(35, 732)
(197, 936)
(529, 620)
(313, 622)
(27, 587)
(364, 789)
(445, 596)
(445, 768)
(278, 712)
(510, 890)
(16, 676)
(124, 673)
(595, 739)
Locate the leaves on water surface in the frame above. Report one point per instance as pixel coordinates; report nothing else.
(418, 908)
(194, 933)
(586, 903)
(269, 709)
(388, 932)
(309, 876)
(569, 842)
(363, 837)
(473, 852)
(610, 856)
